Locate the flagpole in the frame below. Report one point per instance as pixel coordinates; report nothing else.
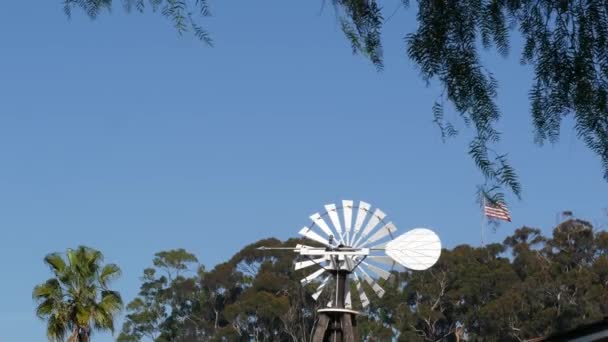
(483, 215)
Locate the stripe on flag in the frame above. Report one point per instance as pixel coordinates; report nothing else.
(498, 211)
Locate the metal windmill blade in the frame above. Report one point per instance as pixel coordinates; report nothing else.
(347, 212)
(362, 211)
(321, 287)
(362, 296)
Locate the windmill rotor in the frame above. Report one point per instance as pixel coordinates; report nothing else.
(358, 239)
(356, 243)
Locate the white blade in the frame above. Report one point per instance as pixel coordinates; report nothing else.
(320, 222)
(361, 215)
(303, 264)
(320, 289)
(418, 249)
(377, 216)
(362, 295)
(310, 234)
(348, 302)
(377, 289)
(388, 228)
(380, 272)
(312, 276)
(335, 220)
(347, 210)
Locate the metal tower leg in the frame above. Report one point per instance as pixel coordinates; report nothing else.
(336, 327)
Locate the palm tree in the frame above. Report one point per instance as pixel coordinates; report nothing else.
(77, 299)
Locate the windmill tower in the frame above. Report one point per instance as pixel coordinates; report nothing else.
(361, 247)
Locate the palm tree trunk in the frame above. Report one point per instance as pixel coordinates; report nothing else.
(83, 335)
(74, 336)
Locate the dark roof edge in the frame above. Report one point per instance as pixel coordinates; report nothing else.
(581, 330)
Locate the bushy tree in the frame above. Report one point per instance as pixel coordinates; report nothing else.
(528, 286)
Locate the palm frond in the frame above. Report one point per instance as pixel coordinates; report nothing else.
(109, 305)
(56, 328)
(108, 273)
(50, 288)
(55, 262)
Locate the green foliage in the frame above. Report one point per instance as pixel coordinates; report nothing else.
(183, 14)
(361, 22)
(77, 299)
(528, 286)
(255, 294)
(480, 293)
(173, 261)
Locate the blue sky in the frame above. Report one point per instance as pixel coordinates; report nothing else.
(120, 135)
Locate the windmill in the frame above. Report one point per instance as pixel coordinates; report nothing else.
(359, 245)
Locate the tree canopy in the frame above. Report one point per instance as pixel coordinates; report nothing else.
(530, 285)
(566, 43)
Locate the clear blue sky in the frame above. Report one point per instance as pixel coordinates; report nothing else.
(121, 135)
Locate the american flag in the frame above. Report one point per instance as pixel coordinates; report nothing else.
(497, 211)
